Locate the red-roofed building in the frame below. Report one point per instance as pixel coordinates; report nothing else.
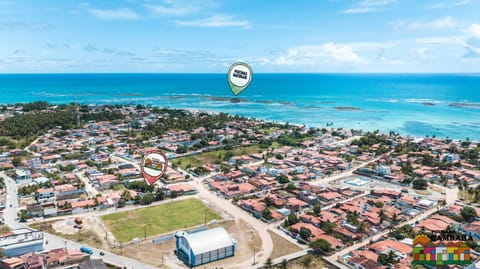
(295, 204)
(12, 263)
(62, 257)
(436, 223)
(386, 245)
(107, 181)
(295, 228)
(334, 242)
(182, 189)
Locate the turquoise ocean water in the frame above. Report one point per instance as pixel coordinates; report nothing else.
(418, 105)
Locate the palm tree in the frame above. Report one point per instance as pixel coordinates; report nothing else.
(381, 215)
(391, 257)
(284, 264)
(268, 264)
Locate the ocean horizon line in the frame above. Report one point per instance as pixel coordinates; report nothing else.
(255, 73)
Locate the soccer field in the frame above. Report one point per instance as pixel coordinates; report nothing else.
(159, 219)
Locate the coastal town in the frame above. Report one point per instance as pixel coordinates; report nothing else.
(289, 196)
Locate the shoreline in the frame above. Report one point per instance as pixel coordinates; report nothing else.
(196, 110)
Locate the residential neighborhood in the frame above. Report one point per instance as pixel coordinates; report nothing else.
(356, 199)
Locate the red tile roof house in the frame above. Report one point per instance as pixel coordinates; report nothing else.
(472, 229)
(254, 206)
(295, 229)
(348, 234)
(182, 189)
(401, 250)
(436, 223)
(310, 219)
(326, 216)
(62, 257)
(12, 263)
(228, 189)
(33, 261)
(334, 242)
(362, 262)
(82, 206)
(67, 191)
(295, 204)
(107, 181)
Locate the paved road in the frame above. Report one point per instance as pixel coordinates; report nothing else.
(262, 228)
(92, 192)
(10, 213)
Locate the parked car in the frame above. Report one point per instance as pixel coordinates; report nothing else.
(86, 250)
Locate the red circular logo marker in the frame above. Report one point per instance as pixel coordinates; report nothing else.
(154, 165)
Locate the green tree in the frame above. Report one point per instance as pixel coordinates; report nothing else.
(305, 233)
(306, 261)
(16, 161)
(386, 259)
(284, 264)
(291, 219)
(23, 215)
(468, 213)
(268, 201)
(328, 226)
(317, 210)
(266, 214)
(420, 184)
(173, 194)
(268, 264)
(321, 246)
(148, 198)
(382, 216)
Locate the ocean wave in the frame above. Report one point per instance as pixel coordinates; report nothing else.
(423, 101)
(49, 94)
(382, 100)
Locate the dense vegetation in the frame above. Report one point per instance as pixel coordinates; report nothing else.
(31, 124)
(184, 120)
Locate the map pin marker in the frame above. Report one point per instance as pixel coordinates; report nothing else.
(239, 77)
(154, 166)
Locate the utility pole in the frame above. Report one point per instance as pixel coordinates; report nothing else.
(205, 212)
(145, 232)
(253, 255)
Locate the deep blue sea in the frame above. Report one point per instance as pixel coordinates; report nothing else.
(418, 105)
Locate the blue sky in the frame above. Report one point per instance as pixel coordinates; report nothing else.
(270, 35)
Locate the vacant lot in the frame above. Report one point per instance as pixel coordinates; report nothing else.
(160, 219)
(91, 234)
(246, 237)
(282, 246)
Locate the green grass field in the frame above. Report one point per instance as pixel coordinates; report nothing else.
(159, 219)
(217, 156)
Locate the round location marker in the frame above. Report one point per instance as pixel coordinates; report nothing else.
(239, 76)
(154, 165)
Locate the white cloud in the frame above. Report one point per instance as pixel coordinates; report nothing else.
(358, 10)
(472, 41)
(450, 4)
(115, 14)
(22, 25)
(215, 21)
(442, 23)
(172, 10)
(367, 6)
(371, 3)
(327, 53)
